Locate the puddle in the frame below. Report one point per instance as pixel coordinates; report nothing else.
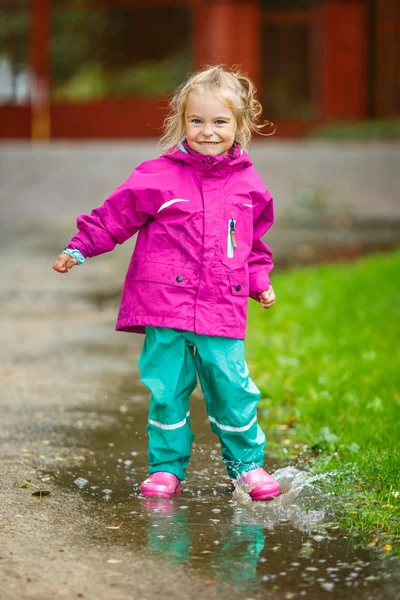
(279, 547)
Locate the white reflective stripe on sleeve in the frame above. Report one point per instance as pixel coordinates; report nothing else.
(230, 428)
(173, 426)
(172, 202)
(251, 206)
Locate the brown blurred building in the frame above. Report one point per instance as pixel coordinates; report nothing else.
(105, 68)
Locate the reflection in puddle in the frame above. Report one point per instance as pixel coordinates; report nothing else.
(279, 546)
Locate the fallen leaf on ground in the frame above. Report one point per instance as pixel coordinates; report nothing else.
(113, 526)
(387, 548)
(23, 485)
(373, 543)
(114, 561)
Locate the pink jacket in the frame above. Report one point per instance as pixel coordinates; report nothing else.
(199, 254)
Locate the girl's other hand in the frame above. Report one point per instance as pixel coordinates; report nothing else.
(267, 298)
(64, 263)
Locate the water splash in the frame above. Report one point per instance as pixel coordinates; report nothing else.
(299, 502)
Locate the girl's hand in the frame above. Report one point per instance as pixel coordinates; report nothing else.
(267, 298)
(64, 263)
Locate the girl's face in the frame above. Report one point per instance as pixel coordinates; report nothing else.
(210, 125)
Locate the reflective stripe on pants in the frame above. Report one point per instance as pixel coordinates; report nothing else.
(168, 365)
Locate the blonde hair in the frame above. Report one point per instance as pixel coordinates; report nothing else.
(233, 88)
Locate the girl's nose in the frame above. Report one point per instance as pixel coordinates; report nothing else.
(207, 131)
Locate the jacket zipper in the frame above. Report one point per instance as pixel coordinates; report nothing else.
(232, 243)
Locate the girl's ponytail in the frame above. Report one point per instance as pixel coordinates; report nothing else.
(252, 110)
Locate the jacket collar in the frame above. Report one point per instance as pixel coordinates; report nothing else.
(236, 158)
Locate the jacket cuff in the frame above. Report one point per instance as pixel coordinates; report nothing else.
(77, 254)
(78, 245)
(258, 285)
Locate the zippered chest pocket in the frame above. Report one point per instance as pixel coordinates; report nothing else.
(232, 243)
(236, 235)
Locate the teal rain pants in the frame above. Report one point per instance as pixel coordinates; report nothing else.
(168, 364)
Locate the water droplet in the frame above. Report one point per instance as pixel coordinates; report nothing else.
(327, 586)
(81, 482)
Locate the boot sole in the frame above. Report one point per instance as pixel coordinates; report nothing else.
(264, 495)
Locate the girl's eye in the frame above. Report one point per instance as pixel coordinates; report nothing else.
(220, 122)
(196, 121)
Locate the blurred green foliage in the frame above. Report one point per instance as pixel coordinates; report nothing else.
(13, 38)
(114, 53)
(147, 78)
(105, 52)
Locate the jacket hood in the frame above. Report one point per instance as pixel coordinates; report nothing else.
(236, 158)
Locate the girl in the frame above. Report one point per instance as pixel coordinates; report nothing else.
(201, 210)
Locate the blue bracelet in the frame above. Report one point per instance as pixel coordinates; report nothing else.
(75, 254)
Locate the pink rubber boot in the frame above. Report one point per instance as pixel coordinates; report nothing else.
(161, 485)
(259, 484)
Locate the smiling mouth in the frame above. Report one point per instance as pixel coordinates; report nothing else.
(208, 143)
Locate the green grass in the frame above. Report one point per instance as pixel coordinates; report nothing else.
(327, 360)
(359, 131)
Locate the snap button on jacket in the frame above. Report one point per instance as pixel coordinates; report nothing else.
(199, 253)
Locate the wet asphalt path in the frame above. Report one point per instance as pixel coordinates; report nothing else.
(72, 421)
